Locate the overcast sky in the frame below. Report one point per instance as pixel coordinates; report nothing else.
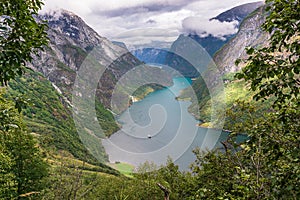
(146, 22)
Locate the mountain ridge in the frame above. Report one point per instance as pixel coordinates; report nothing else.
(238, 13)
(249, 34)
(210, 43)
(70, 42)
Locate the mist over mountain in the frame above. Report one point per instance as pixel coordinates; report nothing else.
(209, 42)
(238, 13)
(121, 44)
(249, 34)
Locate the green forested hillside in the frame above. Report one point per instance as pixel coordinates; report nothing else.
(234, 90)
(49, 115)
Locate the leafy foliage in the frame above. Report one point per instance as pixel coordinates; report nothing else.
(20, 36)
(274, 70)
(22, 165)
(71, 183)
(266, 165)
(50, 116)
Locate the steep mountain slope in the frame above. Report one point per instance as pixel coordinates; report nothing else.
(238, 13)
(211, 43)
(70, 42)
(50, 120)
(250, 34)
(50, 84)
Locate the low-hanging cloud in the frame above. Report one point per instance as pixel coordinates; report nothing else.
(205, 27)
(150, 37)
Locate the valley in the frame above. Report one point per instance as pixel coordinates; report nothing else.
(149, 100)
(71, 41)
(168, 123)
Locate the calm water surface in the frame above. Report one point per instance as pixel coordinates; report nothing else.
(160, 126)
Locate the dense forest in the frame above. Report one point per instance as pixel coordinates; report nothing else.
(265, 166)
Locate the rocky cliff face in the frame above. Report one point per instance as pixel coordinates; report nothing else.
(51, 82)
(249, 34)
(71, 39)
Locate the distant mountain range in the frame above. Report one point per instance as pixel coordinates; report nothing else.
(210, 43)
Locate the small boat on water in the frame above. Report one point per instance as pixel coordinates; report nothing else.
(149, 136)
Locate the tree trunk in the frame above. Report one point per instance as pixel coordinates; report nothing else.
(165, 190)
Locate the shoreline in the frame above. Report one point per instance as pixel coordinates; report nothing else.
(208, 126)
(201, 123)
(124, 168)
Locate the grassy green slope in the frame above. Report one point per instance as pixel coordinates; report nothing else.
(50, 117)
(233, 89)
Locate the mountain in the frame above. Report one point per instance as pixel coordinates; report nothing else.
(49, 119)
(50, 84)
(121, 44)
(210, 43)
(249, 34)
(71, 40)
(238, 13)
(151, 55)
(167, 57)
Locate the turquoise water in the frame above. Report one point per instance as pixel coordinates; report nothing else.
(160, 126)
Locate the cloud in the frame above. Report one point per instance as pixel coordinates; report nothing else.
(204, 27)
(114, 17)
(145, 29)
(150, 37)
(135, 7)
(151, 21)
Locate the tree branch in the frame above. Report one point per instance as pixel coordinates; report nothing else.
(165, 190)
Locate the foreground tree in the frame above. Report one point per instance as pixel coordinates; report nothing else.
(266, 164)
(273, 71)
(21, 164)
(20, 36)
